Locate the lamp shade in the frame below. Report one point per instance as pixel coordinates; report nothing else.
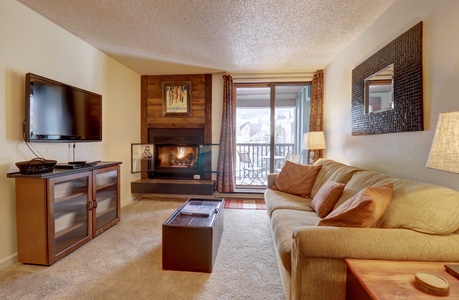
(314, 140)
(444, 154)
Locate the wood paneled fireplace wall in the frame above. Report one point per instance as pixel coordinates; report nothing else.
(152, 112)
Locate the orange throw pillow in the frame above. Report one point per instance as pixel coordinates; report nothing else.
(326, 198)
(296, 179)
(362, 210)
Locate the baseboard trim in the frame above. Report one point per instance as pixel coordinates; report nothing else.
(239, 195)
(8, 261)
(126, 202)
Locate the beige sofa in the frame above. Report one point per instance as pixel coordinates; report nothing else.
(421, 223)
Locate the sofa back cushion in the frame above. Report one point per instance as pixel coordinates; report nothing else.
(359, 181)
(417, 206)
(332, 170)
(422, 207)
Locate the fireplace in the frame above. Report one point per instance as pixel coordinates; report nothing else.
(173, 156)
(176, 161)
(177, 153)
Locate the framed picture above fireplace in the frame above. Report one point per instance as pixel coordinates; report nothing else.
(176, 98)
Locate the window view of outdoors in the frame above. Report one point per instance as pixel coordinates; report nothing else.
(253, 125)
(256, 156)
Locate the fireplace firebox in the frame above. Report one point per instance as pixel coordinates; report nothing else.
(176, 161)
(177, 153)
(173, 156)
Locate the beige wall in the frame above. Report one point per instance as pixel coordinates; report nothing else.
(399, 154)
(31, 43)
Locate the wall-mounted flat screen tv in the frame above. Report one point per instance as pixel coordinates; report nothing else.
(58, 112)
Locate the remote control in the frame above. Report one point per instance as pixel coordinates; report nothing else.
(77, 162)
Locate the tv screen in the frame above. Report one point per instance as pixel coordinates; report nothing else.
(57, 112)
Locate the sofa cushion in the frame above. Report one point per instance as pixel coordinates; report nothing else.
(362, 210)
(280, 200)
(326, 198)
(296, 179)
(283, 222)
(422, 207)
(415, 205)
(332, 170)
(361, 180)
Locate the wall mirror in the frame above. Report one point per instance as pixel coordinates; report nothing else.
(387, 88)
(379, 93)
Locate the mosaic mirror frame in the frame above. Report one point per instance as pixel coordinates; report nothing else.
(405, 53)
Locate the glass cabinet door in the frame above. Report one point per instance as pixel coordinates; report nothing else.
(106, 187)
(69, 210)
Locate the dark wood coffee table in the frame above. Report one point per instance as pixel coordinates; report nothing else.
(190, 241)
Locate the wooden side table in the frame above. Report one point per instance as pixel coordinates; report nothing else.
(382, 279)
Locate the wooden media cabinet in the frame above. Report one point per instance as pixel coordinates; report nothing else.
(58, 212)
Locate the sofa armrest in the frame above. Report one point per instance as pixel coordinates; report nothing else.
(373, 243)
(318, 253)
(271, 179)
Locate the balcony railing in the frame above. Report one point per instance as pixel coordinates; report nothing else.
(259, 154)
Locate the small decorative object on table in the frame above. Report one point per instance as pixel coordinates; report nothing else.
(431, 283)
(36, 166)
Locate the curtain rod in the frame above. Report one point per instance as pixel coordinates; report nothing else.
(259, 77)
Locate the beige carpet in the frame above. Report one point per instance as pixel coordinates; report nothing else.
(125, 263)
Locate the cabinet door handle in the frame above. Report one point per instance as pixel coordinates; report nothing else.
(94, 203)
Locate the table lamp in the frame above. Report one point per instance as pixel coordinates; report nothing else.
(314, 140)
(444, 154)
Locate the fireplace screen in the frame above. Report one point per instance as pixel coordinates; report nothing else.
(142, 157)
(177, 156)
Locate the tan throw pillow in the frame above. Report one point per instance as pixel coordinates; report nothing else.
(296, 179)
(362, 210)
(326, 197)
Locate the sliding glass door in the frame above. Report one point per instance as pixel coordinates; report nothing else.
(270, 121)
(291, 121)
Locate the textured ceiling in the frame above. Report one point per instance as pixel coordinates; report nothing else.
(205, 36)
